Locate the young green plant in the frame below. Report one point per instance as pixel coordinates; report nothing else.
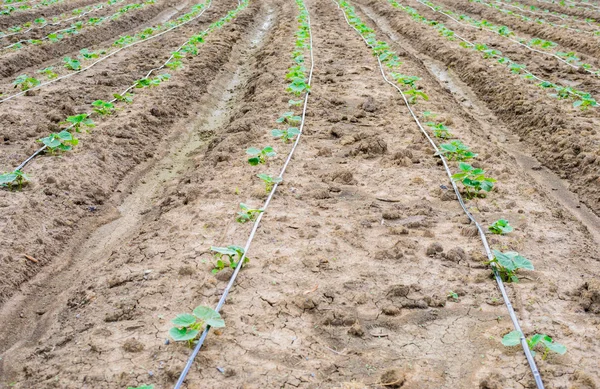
(473, 180)
(187, 327)
(269, 181)
(500, 227)
(508, 263)
(13, 178)
(259, 156)
(247, 214)
(514, 339)
(231, 253)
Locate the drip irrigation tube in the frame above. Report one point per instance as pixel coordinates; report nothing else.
(221, 302)
(38, 151)
(506, 37)
(104, 58)
(534, 370)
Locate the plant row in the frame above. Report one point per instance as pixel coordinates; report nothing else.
(565, 4)
(535, 44)
(25, 82)
(75, 28)
(581, 99)
(473, 180)
(66, 139)
(298, 88)
(42, 22)
(498, 6)
(24, 7)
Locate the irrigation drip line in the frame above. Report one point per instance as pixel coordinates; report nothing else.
(255, 226)
(534, 370)
(504, 36)
(525, 71)
(105, 57)
(38, 151)
(95, 8)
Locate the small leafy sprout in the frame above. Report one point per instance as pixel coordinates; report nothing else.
(456, 151)
(63, 141)
(126, 98)
(247, 214)
(232, 253)
(141, 387)
(79, 120)
(149, 82)
(501, 227)
(86, 54)
(72, 64)
(453, 295)
(102, 107)
(260, 156)
(509, 263)
(269, 181)
(585, 102)
(48, 72)
(414, 94)
(405, 80)
(187, 326)
(25, 82)
(10, 179)
(439, 130)
(286, 135)
(473, 179)
(514, 339)
(290, 118)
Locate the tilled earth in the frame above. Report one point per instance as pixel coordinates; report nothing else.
(351, 269)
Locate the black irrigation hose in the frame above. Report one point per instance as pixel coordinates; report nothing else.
(511, 311)
(196, 350)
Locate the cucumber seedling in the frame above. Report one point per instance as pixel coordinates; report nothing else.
(509, 263)
(11, 179)
(456, 151)
(500, 227)
(247, 214)
(102, 107)
(289, 118)
(269, 181)
(514, 339)
(25, 82)
(48, 72)
(286, 135)
(260, 156)
(72, 64)
(187, 326)
(231, 253)
(78, 121)
(473, 179)
(126, 98)
(63, 141)
(440, 130)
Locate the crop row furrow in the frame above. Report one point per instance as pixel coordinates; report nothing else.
(504, 264)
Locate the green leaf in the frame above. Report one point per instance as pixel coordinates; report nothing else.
(209, 316)
(184, 320)
(141, 387)
(182, 334)
(253, 151)
(553, 346)
(512, 339)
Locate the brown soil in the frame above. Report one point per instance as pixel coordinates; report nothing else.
(351, 268)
